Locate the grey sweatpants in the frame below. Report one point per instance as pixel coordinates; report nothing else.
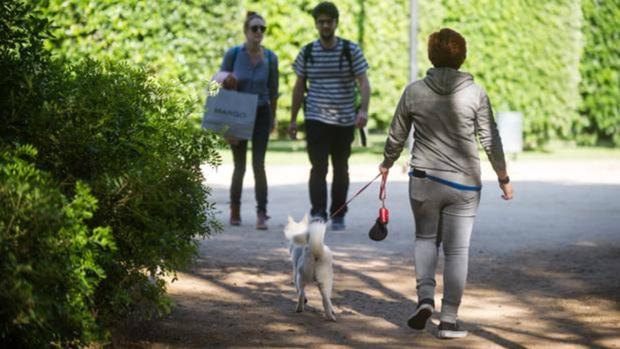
(444, 216)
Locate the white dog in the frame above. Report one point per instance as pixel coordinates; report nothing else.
(312, 261)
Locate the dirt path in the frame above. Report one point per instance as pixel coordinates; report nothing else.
(544, 270)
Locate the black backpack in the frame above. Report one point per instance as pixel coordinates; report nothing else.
(345, 54)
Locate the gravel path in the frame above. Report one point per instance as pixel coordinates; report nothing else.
(544, 269)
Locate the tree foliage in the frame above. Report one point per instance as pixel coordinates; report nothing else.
(600, 72)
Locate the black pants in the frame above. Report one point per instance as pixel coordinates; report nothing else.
(260, 137)
(323, 141)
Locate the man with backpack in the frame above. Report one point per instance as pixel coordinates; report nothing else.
(327, 72)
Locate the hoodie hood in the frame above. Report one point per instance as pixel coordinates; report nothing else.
(446, 81)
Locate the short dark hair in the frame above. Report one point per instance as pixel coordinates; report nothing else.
(250, 15)
(447, 49)
(326, 8)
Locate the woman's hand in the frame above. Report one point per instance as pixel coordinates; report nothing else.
(505, 185)
(507, 189)
(230, 83)
(383, 169)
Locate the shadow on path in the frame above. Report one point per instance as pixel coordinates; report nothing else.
(544, 272)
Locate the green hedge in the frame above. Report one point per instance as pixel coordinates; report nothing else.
(103, 132)
(600, 72)
(186, 41)
(178, 41)
(525, 53)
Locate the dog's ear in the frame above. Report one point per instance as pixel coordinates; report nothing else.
(305, 220)
(290, 219)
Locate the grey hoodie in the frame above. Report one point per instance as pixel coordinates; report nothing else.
(447, 111)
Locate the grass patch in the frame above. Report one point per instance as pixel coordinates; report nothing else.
(286, 152)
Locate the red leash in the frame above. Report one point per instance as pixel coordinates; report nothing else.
(384, 214)
(381, 193)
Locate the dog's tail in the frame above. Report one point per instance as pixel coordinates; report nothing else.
(316, 232)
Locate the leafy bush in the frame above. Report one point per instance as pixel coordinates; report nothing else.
(600, 72)
(122, 133)
(115, 129)
(48, 257)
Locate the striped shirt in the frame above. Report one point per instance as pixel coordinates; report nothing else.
(330, 96)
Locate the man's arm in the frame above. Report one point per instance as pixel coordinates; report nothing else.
(362, 114)
(298, 96)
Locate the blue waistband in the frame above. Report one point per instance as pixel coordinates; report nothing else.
(454, 185)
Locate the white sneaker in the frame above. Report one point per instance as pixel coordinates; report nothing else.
(449, 330)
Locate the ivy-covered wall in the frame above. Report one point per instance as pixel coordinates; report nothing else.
(600, 72)
(179, 41)
(525, 53)
(186, 41)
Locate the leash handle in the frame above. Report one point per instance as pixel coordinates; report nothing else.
(382, 192)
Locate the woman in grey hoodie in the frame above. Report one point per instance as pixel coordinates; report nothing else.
(447, 110)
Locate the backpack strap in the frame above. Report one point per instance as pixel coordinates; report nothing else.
(234, 57)
(346, 52)
(269, 58)
(307, 57)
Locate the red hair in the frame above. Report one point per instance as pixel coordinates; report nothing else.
(447, 49)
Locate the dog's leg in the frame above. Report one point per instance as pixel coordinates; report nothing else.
(294, 262)
(325, 280)
(326, 293)
(301, 295)
(297, 285)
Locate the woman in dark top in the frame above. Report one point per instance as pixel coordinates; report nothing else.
(254, 70)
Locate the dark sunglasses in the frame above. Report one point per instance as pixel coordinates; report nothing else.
(255, 28)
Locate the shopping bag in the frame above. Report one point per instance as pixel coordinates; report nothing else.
(231, 113)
